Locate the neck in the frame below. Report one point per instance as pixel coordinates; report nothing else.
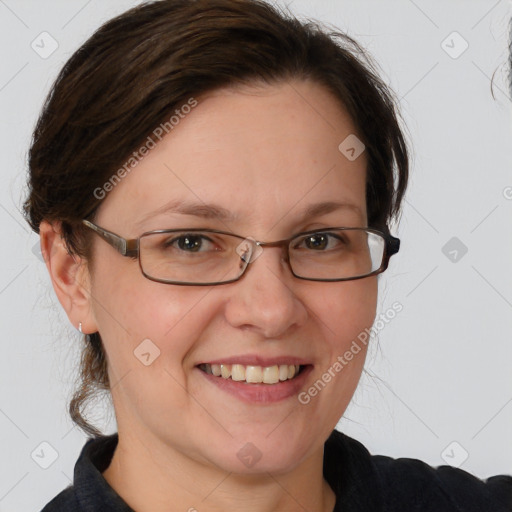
(152, 476)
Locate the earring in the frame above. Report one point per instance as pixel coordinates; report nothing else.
(80, 328)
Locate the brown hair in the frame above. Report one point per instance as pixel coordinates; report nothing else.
(133, 73)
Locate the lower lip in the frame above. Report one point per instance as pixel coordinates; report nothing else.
(261, 393)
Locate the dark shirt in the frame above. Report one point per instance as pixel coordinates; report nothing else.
(361, 482)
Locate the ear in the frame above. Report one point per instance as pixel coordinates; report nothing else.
(70, 277)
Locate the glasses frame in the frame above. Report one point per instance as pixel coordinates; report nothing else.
(129, 247)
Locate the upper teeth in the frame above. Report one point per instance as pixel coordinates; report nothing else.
(252, 374)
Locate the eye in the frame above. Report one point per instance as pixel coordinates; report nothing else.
(320, 241)
(190, 242)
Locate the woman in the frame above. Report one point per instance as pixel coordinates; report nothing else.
(213, 184)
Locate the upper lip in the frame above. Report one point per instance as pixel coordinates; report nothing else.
(255, 360)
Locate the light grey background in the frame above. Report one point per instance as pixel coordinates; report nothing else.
(442, 369)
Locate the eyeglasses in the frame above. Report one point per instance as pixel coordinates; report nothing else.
(206, 257)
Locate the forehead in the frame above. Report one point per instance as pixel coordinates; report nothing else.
(257, 152)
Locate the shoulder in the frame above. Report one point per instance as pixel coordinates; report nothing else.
(66, 500)
(90, 490)
(413, 484)
(429, 488)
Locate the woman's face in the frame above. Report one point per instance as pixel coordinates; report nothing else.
(267, 158)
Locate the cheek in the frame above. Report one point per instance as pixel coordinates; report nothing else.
(345, 309)
(130, 309)
(148, 330)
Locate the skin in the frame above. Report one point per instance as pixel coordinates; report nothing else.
(264, 153)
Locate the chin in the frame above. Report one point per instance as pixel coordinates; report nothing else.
(260, 454)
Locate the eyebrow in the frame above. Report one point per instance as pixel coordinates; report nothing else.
(203, 210)
(212, 211)
(316, 210)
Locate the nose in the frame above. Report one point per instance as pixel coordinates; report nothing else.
(264, 299)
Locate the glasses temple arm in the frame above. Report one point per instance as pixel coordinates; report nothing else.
(125, 247)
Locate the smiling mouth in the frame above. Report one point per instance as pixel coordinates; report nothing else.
(253, 374)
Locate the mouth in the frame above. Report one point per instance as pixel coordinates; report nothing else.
(248, 374)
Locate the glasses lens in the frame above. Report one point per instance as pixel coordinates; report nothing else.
(337, 254)
(204, 257)
(192, 257)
